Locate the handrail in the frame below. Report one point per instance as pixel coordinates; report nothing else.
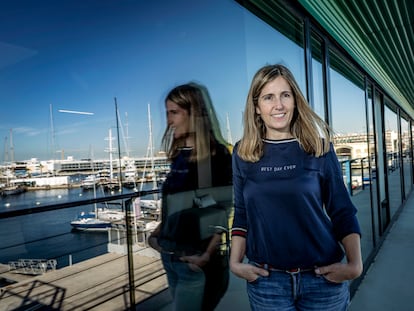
(52, 207)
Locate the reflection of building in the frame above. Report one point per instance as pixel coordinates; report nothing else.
(351, 146)
(391, 141)
(71, 165)
(355, 146)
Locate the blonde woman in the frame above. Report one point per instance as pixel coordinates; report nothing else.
(197, 272)
(294, 220)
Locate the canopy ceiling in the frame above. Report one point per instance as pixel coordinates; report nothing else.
(379, 34)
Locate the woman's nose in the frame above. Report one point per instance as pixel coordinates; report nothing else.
(277, 103)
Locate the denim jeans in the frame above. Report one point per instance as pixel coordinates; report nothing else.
(302, 291)
(186, 283)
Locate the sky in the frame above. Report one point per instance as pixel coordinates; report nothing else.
(85, 55)
(81, 55)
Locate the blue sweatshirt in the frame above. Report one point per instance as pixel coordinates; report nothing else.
(292, 207)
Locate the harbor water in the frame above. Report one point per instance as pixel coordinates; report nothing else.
(49, 235)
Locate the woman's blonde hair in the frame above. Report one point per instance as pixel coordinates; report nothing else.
(312, 133)
(204, 126)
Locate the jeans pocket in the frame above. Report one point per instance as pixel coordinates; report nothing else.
(331, 282)
(193, 267)
(256, 280)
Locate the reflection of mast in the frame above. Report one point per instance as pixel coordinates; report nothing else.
(150, 153)
(126, 136)
(229, 138)
(151, 142)
(110, 150)
(119, 146)
(53, 132)
(6, 150)
(11, 146)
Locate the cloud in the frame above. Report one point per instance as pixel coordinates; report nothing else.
(12, 54)
(28, 131)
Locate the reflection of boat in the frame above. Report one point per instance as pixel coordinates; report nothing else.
(130, 175)
(110, 184)
(90, 222)
(89, 182)
(111, 214)
(150, 204)
(12, 190)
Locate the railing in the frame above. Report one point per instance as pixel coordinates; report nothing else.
(357, 174)
(37, 291)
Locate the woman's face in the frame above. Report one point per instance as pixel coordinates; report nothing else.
(177, 119)
(276, 106)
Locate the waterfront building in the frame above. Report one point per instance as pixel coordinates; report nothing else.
(71, 165)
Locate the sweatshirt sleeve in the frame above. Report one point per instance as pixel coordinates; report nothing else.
(337, 200)
(239, 227)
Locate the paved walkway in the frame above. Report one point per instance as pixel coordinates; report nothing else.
(387, 284)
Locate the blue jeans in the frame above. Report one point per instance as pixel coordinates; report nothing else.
(302, 291)
(186, 283)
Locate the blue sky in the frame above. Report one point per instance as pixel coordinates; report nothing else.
(80, 55)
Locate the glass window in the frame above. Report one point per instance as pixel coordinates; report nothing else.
(317, 76)
(265, 45)
(393, 158)
(351, 141)
(370, 178)
(406, 155)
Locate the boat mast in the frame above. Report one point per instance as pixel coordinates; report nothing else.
(229, 137)
(150, 153)
(119, 146)
(151, 142)
(11, 146)
(110, 150)
(6, 151)
(53, 132)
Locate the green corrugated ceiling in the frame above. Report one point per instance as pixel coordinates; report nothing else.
(379, 34)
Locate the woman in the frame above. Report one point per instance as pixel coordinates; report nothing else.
(294, 219)
(197, 273)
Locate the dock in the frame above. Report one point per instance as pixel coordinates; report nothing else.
(100, 283)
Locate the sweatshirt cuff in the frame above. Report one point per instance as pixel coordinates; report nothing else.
(239, 232)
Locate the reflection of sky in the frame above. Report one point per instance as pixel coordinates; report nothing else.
(348, 106)
(80, 55)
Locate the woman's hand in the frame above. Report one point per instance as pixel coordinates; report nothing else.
(247, 271)
(340, 272)
(153, 239)
(198, 260)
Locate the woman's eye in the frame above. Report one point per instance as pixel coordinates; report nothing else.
(267, 97)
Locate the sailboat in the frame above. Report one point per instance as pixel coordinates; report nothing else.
(90, 221)
(10, 188)
(110, 183)
(155, 203)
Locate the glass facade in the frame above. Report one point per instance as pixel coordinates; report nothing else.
(393, 159)
(84, 85)
(371, 178)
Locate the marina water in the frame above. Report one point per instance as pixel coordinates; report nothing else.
(49, 235)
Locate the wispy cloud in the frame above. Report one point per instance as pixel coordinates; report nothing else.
(29, 131)
(13, 54)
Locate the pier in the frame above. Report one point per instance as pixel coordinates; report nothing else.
(100, 283)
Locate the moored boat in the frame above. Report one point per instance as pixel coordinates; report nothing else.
(12, 190)
(91, 224)
(90, 182)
